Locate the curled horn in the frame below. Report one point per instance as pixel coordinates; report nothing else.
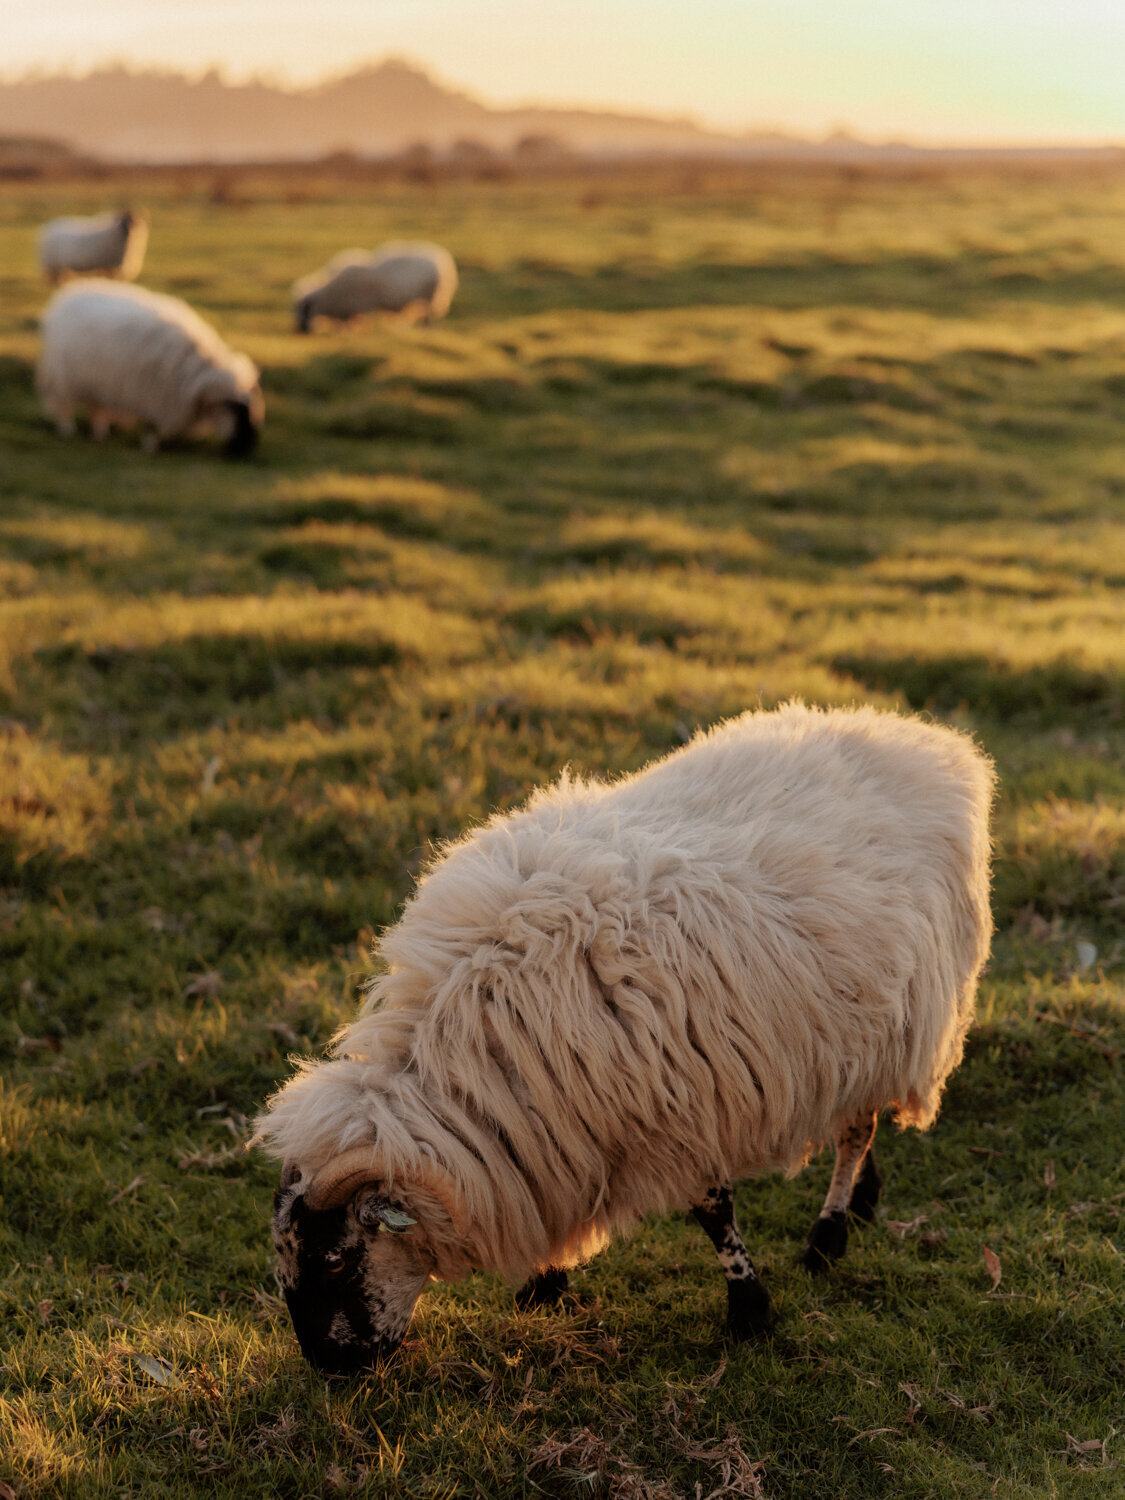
(342, 1177)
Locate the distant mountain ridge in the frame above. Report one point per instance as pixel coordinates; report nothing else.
(380, 109)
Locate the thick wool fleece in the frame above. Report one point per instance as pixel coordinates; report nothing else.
(393, 277)
(112, 243)
(137, 354)
(610, 1001)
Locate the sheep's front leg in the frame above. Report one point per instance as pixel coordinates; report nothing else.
(854, 1188)
(748, 1303)
(544, 1289)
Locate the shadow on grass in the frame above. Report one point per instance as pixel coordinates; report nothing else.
(932, 283)
(166, 689)
(943, 684)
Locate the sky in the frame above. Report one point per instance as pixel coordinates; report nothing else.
(965, 71)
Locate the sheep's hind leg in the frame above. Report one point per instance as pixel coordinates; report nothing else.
(854, 1187)
(544, 1289)
(748, 1303)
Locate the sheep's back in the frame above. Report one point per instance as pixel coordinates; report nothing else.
(725, 954)
(83, 244)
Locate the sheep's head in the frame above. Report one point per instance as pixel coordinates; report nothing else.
(353, 1258)
(303, 315)
(240, 423)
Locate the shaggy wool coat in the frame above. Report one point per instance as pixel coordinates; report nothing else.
(606, 1003)
(137, 355)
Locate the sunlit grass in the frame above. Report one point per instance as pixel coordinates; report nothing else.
(685, 445)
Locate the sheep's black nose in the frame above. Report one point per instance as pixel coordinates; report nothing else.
(331, 1358)
(244, 439)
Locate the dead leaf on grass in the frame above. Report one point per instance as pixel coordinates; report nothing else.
(992, 1265)
(709, 1382)
(1086, 954)
(268, 1437)
(130, 1187)
(1049, 1176)
(209, 1161)
(204, 986)
(980, 1413)
(158, 1370)
(210, 771)
(900, 1228)
(590, 1458)
(1091, 1445)
(915, 1397)
(874, 1432)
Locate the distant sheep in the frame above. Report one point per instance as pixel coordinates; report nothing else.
(126, 355)
(622, 997)
(106, 245)
(416, 280)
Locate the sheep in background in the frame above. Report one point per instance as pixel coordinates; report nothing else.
(110, 244)
(415, 280)
(126, 355)
(622, 997)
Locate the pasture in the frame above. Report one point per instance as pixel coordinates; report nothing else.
(686, 444)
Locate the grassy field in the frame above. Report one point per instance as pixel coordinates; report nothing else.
(685, 445)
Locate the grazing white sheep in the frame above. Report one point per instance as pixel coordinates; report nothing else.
(414, 280)
(626, 995)
(110, 244)
(126, 355)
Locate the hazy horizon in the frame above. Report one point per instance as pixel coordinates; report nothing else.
(1027, 72)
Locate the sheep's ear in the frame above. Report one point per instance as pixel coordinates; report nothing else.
(372, 1212)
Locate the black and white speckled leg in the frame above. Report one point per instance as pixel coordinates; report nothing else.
(828, 1238)
(748, 1303)
(544, 1289)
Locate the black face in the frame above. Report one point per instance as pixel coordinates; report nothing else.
(350, 1286)
(244, 438)
(326, 1298)
(302, 317)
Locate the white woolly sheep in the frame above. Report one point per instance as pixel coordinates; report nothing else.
(624, 996)
(106, 245)
(415, 280)
(127, 355)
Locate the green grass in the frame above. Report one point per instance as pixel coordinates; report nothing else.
(684, 446)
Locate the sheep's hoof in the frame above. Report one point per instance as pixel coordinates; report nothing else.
(750, 1314)
(544, 1290)
(865, 1194)
(828, 1239)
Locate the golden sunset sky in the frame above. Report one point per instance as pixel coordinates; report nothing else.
(929, 70)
